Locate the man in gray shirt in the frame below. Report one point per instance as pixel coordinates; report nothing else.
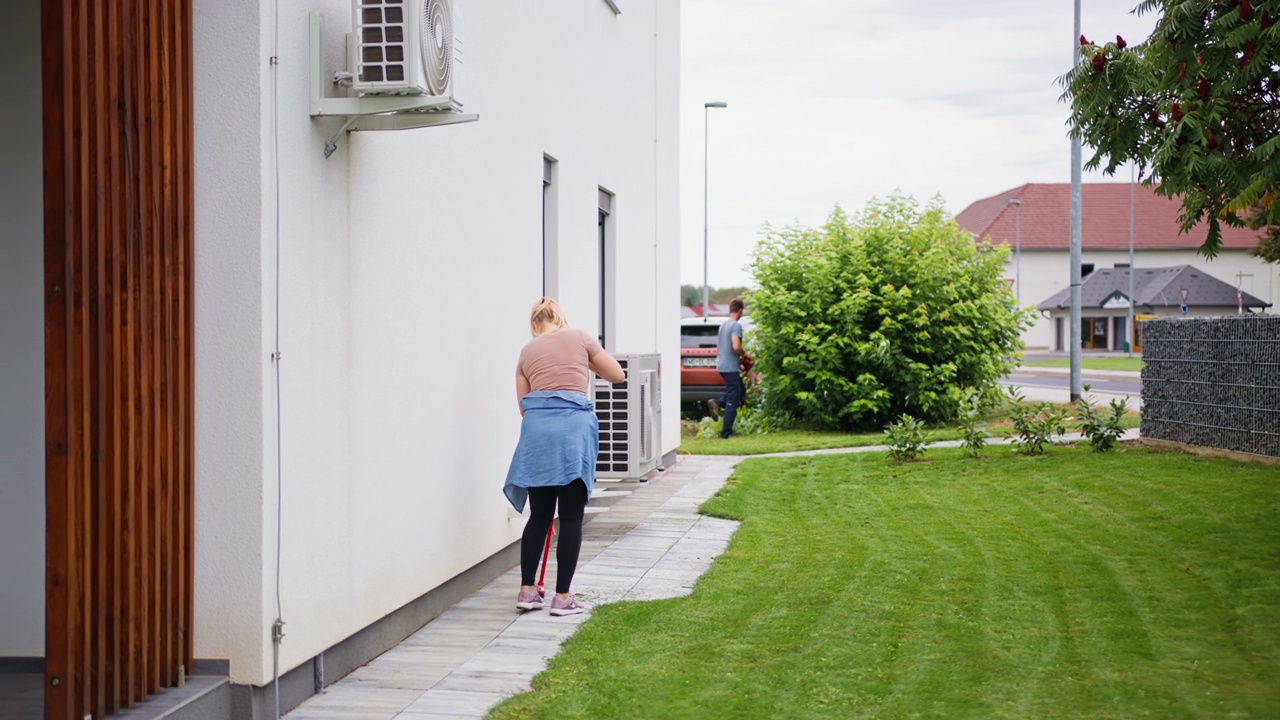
(728, 352)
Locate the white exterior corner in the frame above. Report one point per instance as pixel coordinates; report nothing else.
(407, 265)
(395, 279)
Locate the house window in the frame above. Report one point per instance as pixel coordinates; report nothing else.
(1086, 269)
(550, 225)
(607, 235)
(1093, 333)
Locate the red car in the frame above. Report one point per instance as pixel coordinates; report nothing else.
(699, 379)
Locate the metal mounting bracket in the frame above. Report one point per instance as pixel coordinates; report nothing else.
(394, 112)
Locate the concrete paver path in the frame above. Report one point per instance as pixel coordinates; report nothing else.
(651, 544)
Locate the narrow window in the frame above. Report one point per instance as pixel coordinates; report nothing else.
(550, 222)
(608, 247)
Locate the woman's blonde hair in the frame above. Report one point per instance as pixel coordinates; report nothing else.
(547, 315)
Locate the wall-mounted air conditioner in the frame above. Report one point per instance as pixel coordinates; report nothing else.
(630, 415)
(406, 47)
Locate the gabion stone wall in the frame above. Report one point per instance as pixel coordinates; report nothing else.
(1213, 382)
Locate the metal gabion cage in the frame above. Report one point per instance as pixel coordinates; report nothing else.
(1213, 382)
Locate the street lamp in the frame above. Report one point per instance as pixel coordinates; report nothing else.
(705, 291)
(1017, 249)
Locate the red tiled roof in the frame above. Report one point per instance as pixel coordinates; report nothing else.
(1046, 219)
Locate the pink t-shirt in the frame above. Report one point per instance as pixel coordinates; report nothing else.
(557, 360)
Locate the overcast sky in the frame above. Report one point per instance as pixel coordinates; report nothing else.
(840, 101)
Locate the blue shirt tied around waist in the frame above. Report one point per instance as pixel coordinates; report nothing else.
(559, 442)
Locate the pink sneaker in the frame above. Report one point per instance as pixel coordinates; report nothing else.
(529, 600)
(565, 606)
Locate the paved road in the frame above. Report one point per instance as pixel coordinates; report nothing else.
(1112, 386)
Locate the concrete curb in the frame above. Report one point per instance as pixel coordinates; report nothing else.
(1114, 374)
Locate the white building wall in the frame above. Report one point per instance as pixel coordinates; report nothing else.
(232, 502)
(1046, 272)
(21, 339)
(408, 263)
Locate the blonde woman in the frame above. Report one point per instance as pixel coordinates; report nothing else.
(555, 460)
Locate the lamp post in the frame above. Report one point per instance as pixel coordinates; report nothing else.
(1133, 335)
(706, 107)
(1076, 222)
(1017, 249)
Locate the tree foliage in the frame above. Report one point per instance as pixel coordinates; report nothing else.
(895, 311)
(1197, 107)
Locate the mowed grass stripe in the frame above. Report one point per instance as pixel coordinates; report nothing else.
(1009, 587)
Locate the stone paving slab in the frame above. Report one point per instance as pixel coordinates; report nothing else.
(650, 544)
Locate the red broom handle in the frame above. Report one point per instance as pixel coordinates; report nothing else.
(546, 552)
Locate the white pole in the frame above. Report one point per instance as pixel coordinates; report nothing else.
(705, 292)
(1075, 232)
(706, 110)
(1017, 252)
(1017, 249)
(1132, 335)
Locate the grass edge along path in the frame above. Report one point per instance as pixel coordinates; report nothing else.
(1125, 364)
(1076, 585)
(795, 440)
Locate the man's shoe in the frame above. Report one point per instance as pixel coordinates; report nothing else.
(730, 435)
(529, 600)
(565, 606)
(714, 407)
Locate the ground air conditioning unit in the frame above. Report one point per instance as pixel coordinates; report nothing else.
(630, 414)
(406, 47)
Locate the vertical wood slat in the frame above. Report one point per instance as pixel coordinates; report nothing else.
(142, 295)
(131, 658)
(60, 638)
(151, 232)
(82, 440)
(118, 339)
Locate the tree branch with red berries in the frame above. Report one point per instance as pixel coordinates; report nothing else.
(1196, 107)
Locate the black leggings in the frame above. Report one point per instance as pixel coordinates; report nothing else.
(542, 509)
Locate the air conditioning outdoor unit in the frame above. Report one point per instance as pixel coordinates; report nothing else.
(630, 415)
(406, 47)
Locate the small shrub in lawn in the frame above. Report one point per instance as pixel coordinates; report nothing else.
(1102, 428)
(906, 439)
(746, 422)
(975, 433)
(1034, 424)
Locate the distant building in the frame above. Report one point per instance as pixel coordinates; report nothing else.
(1104, 303)
(1045, 237)
(713, 310)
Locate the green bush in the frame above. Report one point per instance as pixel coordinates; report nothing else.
(1102, 429)
(1035, 424)
(906, 439)
(892, 312)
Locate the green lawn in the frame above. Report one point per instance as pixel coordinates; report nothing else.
(808, 439)
(785, 441)
(1075, 585)
(1131, 364)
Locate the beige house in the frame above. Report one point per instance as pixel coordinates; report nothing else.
(1034, 221)
(1105, 303)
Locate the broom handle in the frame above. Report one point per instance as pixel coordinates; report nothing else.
(546, 552)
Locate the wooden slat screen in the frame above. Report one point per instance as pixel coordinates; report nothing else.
(117, 80)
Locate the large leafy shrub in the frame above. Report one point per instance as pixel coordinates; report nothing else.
(895, 311)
